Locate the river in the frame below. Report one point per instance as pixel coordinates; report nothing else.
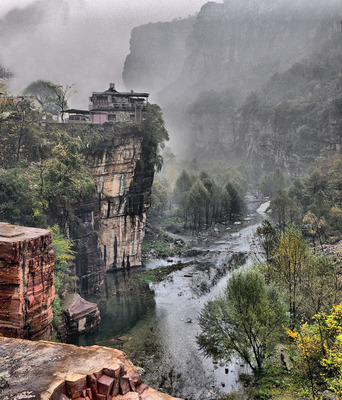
(156, 324)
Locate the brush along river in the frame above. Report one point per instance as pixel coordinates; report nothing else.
(156, 323)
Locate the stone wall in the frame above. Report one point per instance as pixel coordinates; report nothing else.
(26, 282)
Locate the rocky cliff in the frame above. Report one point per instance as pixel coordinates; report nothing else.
(233, 49)
(157, 53)
(26, 282)
(109, 228)
(51, 371)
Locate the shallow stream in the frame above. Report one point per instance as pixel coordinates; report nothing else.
(156, 324)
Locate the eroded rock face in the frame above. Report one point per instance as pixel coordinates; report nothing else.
(113, 226)
(26, 282)
(122, 213)
(56, 371)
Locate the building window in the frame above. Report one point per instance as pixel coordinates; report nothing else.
(102, 101)
(111, 117)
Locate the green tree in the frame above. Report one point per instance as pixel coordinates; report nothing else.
(64, 258)
(285, 210)
(18, 131)
(272, 182)
(19, 200)
(181, 191)
(292, 259)
(245, 321)
(63, 177)
(268, 239)
(153, 128)
(236, 201)
(211, 204)
(160, 197)
(322, 286)
(197, 201)
(319, 347)
(314, 227)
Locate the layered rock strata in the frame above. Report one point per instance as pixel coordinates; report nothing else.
(26, 282)
(113, 226)
(55, 371)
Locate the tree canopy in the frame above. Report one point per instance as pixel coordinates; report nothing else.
(246, 321)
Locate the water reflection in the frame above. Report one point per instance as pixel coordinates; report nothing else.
(123, 300)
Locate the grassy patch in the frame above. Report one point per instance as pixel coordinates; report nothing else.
(160, 274)
(160, 244)
(276, 383)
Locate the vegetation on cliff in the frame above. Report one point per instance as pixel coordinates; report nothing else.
(45, 174)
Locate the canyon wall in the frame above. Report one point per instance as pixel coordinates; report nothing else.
(109, 228)
(26, 282)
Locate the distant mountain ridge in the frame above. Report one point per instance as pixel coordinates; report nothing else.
(232, 49)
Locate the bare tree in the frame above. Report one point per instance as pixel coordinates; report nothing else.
(60, 95)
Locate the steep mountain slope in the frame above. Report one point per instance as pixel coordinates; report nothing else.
(157, 53)
(233, 48)
(297, 115)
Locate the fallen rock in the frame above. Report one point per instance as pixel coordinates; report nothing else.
(80, 315)
(327, 395)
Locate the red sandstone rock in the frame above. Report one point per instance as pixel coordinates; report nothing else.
(105, 384)
(115, 370)
(81, 315)
(47, 364)
(26, 282)
(100, 397)
(75, 385)
(141, 388)
(98, 374)
(92, 382)
(116, 387)
(128, 396)
(124, 384)
(63, 397)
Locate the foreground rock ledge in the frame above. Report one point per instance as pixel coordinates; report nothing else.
(39, 370)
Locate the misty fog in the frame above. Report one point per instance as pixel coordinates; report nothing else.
(80, 42)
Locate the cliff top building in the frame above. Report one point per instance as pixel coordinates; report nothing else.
(111, 106)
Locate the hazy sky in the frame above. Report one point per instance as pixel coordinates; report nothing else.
(77, 41)
(154, 9)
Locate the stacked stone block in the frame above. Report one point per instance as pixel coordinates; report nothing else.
(111, 383)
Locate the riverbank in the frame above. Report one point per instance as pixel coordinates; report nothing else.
(156, 323)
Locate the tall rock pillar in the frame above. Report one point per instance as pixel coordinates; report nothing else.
(26, 282)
